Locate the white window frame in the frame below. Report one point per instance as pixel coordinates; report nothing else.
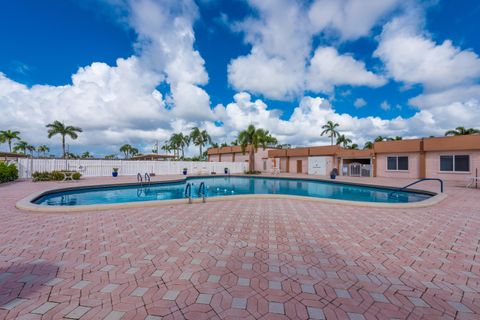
(397, 170)
(453, 156)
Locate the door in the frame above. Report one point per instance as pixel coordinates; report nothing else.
(299, 166)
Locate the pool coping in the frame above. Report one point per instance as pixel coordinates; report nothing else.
(27, 202)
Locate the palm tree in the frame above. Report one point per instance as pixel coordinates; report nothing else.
(126, 149)
(461, 131)
(86, 155)
(166, 147)
(110, 157)
(353, 146)
(8, 136)
(31, 149)
(397, 138)
(234, 142)
(329, 129)
(21, 146)
(60, 128)
(224, 144)
(253, 138)
(368, 145)
(344, 141)
(179, 142)
(200, 138)
(43, 149)
(380, 139)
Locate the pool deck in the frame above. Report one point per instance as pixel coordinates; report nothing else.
(242, 259)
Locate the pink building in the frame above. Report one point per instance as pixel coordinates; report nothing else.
(448, 158)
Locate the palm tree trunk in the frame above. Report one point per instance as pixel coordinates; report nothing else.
(10, 145)
(200, 151)
(251, 160)
(331, 139)
(63, 146)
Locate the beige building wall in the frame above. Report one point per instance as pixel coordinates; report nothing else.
(293, 164)
(413, 171)
(432, 160)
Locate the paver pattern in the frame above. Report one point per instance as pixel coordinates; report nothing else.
(242, 259)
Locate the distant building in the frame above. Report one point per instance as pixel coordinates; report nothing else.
(448, 158)
(11, 156)
(153, 156)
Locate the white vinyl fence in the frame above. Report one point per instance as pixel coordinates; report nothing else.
(103, 168)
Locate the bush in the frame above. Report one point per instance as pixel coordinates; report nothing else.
(53, 176)
(8, 172)
(57, 175)
(41, 176)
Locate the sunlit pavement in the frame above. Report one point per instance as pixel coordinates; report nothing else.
(246, 259)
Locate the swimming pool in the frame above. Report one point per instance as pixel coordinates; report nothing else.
(226, 186)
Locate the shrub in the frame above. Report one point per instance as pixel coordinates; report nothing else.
(41, 176)
(53, 176)
(8, 172)
(57, 175)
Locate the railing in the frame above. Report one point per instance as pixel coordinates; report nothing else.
(188, 192)
(147, 177)
(201, 191)
(139, 178)
(421, 180)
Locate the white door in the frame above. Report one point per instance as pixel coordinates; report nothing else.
(317, 165)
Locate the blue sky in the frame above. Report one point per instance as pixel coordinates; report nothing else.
(239, 42)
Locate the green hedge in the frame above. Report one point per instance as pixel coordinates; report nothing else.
(53, 176)
(8, 172)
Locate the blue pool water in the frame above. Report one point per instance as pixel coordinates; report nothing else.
(227, 186)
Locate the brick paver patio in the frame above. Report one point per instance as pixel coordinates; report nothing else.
(242, 259)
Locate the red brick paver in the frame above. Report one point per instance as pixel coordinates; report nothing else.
(249, 259)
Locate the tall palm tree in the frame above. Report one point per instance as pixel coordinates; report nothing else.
(21, 146)
(200, 138)
(43, 149)
(126, 149)
(461, 131)
(8, 136)
(254, 138)
(343, 141)
(330, 129)
(60, 128)
(368, 145)
(179, 142)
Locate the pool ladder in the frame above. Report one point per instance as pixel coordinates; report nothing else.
(140, 178)
(201, 192)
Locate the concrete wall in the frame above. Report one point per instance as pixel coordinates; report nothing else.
(213, 157)
(413, 171)
(433, 165)
(293, 164)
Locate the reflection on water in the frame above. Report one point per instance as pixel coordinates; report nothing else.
(227, 186)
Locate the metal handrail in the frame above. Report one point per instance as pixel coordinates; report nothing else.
(139, 178)
(201, 191)
(424, 179)
(188, 192)
(147, 177)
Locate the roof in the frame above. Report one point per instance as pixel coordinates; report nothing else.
(13, 155)
(398, 146)
(468, 142)
(152, 156)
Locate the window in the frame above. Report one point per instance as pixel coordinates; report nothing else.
(455, 163)
(397, 163)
